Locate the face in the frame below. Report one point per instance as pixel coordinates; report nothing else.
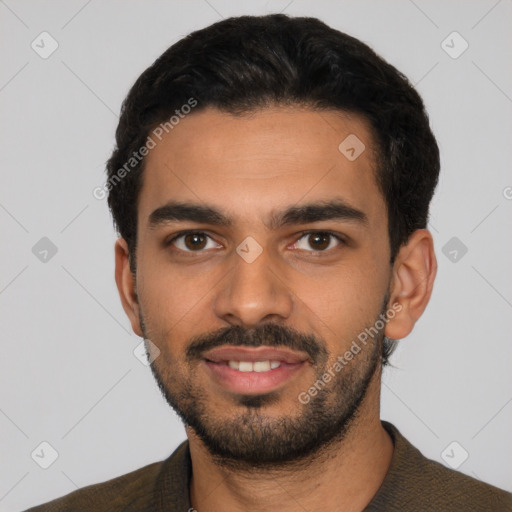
(262, 256)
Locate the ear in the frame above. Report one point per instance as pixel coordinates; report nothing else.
(126, 285)
(413, 277)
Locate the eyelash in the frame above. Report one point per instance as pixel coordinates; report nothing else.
(301, 235)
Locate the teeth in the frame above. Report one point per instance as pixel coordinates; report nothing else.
(256, 366)
(245, 366)
(261, 366)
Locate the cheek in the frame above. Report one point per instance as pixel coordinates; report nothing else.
(341, 303)
(175, 304)
(343, 291)
(168, 294)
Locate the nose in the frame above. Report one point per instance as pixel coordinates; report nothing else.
(254, 292)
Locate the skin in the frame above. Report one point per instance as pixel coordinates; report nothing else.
(250, 166)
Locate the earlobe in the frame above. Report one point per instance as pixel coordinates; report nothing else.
(414, 273)
(125, 282)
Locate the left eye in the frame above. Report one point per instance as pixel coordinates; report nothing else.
(318, 240)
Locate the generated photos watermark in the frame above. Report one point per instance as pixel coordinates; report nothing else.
(342, 360)
(101, 192)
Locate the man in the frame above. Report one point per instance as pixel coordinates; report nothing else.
(271, 186)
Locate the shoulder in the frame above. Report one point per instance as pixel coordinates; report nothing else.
(416, 483)
(440, 488)
(132, 491)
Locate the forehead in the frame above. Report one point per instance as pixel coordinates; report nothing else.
(252, 164)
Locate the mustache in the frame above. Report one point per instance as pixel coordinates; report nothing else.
(272, 335)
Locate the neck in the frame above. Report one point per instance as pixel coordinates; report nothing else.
(344, 477)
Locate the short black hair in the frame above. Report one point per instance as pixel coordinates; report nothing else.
(243, 64)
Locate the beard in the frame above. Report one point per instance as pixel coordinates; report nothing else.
(248, 439)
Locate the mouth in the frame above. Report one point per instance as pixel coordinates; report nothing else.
(252, 371)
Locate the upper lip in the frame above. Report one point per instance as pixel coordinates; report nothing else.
(231, 353)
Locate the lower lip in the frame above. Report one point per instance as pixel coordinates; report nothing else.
(253, 383)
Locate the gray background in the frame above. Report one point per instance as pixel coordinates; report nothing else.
(68, 373)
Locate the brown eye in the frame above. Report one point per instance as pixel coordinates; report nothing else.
(318, 241)
(194, 241)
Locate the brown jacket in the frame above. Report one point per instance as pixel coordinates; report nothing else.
(412, 483)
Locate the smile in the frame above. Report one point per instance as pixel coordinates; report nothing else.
(256, 366)
(246, 370)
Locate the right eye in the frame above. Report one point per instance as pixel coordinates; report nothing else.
(191, 241)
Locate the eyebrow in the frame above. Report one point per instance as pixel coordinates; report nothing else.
(336, 209)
